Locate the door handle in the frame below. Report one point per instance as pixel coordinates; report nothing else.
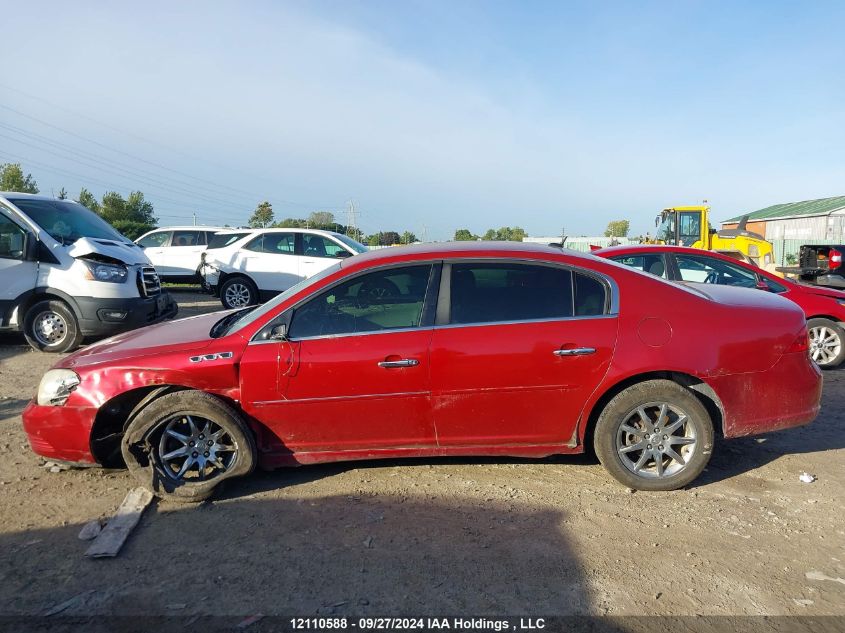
(405, 362)
(576, 351)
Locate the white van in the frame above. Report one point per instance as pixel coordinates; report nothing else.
(65, 273)
(175, 251)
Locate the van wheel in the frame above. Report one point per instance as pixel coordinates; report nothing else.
(51, 326)
(238, 292)
(654, 435)
(184, 444)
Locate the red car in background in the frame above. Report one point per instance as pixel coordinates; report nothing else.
(823, 307)
(440, 349)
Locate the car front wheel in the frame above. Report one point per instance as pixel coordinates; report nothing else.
(654, 435)
(184, 444)
(827, 342)
(51, 326)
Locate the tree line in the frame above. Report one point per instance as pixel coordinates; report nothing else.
(263, 217)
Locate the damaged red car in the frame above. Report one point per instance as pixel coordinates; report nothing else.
(438, 350)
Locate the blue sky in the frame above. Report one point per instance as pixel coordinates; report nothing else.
(430, 116)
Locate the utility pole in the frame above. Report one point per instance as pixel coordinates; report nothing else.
(351, 222)
(195, 218)
(425, 233)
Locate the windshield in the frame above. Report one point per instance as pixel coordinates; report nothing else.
(355, 246)
(66, 221)
(257, 313)
(666, 229)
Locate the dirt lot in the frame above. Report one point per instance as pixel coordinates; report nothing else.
(438, 537)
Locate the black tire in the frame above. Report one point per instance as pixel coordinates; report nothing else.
(238, 286)
(51, 326)
(827, 342)
(623, 412)
(151, 430)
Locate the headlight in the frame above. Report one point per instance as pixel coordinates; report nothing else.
(56, 386)
(114, 273)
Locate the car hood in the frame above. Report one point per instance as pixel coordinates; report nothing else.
(182, 335)
(126, 253)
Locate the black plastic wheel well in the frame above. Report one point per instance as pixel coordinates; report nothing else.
(113, 417)
(699, 389)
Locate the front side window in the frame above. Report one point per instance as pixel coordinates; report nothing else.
(319, 246)
(155, 240)
(710, 270)
(185, 238)
(651, 263)
(387, 299)
(11, 239)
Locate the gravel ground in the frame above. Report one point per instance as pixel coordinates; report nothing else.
(439, 536)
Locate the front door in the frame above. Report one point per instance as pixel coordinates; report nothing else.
(524, 347)
(354, 373)
(271, 261)
(17, 275)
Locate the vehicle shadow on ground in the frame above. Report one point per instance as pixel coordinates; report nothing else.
(11, 408)
(308, 556)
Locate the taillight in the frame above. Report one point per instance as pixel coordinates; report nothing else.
(800, 344)
(835, 260)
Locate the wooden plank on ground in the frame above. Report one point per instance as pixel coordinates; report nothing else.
(111, 539)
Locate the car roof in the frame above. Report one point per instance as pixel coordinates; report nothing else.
(32, 196)
(200, 227)
(469, 249)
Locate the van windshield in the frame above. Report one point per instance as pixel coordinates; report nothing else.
(66, 221)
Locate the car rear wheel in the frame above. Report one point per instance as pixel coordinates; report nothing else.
(654, 435)
(184, 444)
(238, 292)
(827, 342)
(51, 326)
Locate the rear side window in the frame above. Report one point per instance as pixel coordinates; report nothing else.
(387, 299)
(155, 240)
(490, 293)
(274, 243)
(221, 240)
(186, 238)
(652, 263)
(590, 295)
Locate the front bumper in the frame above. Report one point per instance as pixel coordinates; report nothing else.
(786, 395)
(60, 433)
(104, 317)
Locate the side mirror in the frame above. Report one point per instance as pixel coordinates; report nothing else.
(762, 285)
(279, 332)
(343, 254)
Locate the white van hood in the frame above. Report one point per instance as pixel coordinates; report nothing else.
(127, 253)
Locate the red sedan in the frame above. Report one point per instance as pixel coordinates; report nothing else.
(453, 349)
(823, 307)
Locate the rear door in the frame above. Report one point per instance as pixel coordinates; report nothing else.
(182, 258)
(517, 352)
(271, 261)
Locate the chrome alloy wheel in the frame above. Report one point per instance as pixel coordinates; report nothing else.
(237, 295)
(825, 344)
(49, 328)
(193, 449)
(656, 440)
